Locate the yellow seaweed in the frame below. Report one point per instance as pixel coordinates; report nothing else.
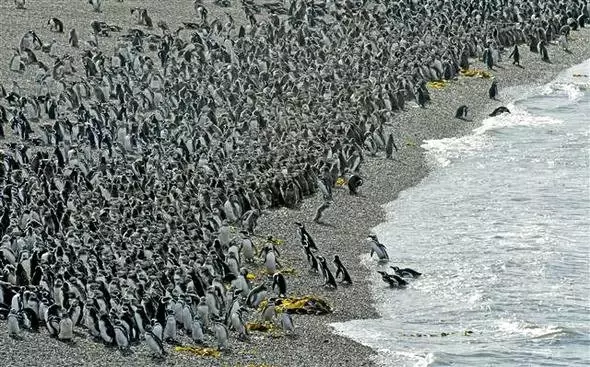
(306, 305)
(476, 73)
(438, 84)
(198, 351)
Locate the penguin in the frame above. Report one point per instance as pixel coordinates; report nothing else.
(66, 328)
(287, 323)
(462, 112)
(488, 58)
(493, 92)
(270, 260)
(73, 38)
(354, 182)
(238, 324)
(121, 337)
(515, 55)
(197, 332)
(256, 295)
(320, 210)
(221, 335)
(247, 247)
(170, 328)
(377, 248)
(306, 239)
(203, 312)
(341, 271)
(499, 110)
(390, 147)
(278, 281)
(389, 279)
(13, 324)
(55, 25)
(406, 272)
(20, 4)
(543, 51)
(157, 329)
(107, 332)
(269, 312)
(154, 343)
(311, 260)
(329, 280)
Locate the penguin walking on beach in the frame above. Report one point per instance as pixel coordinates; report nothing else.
(493, 91)
(320, 210)
(73, 38)
(329, 280)
(461, 113)
(341, 271)
(488, 58)
(305, 237)
(515, 56)
(390, 146)
(221, 335)
(287, 323)
(543, 51)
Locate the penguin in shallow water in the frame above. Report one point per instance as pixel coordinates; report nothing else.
(377, 248)
(462, 112)
(287, 323)
(499, 110)
(493, 91)
(406, 272)
(341, 271)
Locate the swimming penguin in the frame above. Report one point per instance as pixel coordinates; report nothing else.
(329, 280)
(390, 279)
(493, 92)
(55, 25)
(377, 248)
(13, 324)
(305, 237)
(406, 272)
(341, 270)
(499, 110)
(154, 343)
(66, 328)
(278, 281)
(73, 38)
(515, 55)
(543, 51)
(462, 112)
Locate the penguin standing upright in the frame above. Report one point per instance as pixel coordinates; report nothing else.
(305, 237)
(390, 146)
(341, 270)
(221, 335)
(66, 328)
(329, 280)
(13, 324)
(170, 328)
(515, 55)
(287, 323)
(493, 91)
(377, 248)
(462, 112)
(543, 51)
(73, 38)
(278, 281)
(121, 336)
(197, 332)
(154, 343)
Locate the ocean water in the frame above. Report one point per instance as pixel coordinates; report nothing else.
(501, 231)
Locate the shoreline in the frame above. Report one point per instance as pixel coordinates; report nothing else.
(349, 220)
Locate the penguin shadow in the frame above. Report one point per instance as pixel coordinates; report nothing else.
(324, 224)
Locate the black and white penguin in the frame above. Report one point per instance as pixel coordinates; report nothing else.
(515, 55)
(462, 112)
(66, 328)
(20, 4)
(154, 343)
(341, 271)
(354, 181)
(55, 25)
(170, 328)
(73, 38)
(197, 335)
(238, 323)
(256, 295)
(270, 310)
(329, 280)
(493, 91)
(121, 336)
(390, 147)
(377, 248)
(499, 110)
(221, 335)
(279, 282)
(392, 280)
(406, 272)
(543, 51)
(107, 332)
(311, 260)
(287, 323)
(13, 324)
(305, 237)
(270, 259)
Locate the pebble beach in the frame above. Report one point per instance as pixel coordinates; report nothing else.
(345, 223)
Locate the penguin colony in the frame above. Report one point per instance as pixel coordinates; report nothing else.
(124, 173)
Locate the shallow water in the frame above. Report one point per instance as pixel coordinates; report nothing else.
(501, 231)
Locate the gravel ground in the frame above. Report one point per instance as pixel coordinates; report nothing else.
(349, 220)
